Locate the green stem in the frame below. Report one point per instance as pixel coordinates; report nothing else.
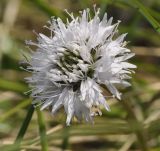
(24, 125)
(42, 130)
(65, 137)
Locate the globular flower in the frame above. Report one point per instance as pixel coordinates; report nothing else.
(70, 66)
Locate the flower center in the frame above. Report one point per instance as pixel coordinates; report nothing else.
(73, 68)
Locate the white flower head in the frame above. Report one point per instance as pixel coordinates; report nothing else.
(69, 67)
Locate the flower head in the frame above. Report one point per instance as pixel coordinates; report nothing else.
(69, 67)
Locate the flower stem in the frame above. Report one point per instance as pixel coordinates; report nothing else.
(25, 125)
(65, 137)
(42, 130)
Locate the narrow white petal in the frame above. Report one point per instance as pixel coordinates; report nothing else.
(46, 104)
(60, 101)
(127, 65)
(113, 90)
(123, 58)
(121, 38)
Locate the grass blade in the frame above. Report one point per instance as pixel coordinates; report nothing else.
(42, 130)
(144, 11)
(24, 125)
(12, 86)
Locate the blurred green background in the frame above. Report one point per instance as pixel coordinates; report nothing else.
(133, 123)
